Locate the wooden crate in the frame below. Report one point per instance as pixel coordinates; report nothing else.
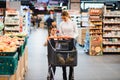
(17, 74)
(22, 68)
(7, 77)
(24, 63)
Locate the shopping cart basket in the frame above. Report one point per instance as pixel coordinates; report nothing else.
(60, 55)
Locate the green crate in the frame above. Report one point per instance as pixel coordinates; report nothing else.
(20, 50)
(7, 53)
(8, 64)
(25, 42)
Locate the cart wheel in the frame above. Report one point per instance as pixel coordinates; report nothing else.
(48, 78)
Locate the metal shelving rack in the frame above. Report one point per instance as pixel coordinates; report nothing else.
(12, 22)
(111, 32)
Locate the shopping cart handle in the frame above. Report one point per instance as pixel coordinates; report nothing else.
(66, 51)
(51, 45)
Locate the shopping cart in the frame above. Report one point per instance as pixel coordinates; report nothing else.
(60, 55)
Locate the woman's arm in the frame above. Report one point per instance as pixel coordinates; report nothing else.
(60, 29)
(52, 37)
(75, 30)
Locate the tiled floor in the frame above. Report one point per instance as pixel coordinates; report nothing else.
(106, 67)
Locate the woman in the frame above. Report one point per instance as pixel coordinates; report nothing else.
(68, 30)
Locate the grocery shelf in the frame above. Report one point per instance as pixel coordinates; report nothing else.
(12, 14)
(111, 15)
(111, 52)
(11, 24)
(111, 22)
(111, 36)
(98, 24)
(95, 28)
(111, 43)
(95, 20)
(12, 21)
(111, 29)
(11, 30)
(95, 31)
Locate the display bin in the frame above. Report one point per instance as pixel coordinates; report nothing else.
(61, 56)
(20, 50)
(8, 53)
(8, 63)
(25, 42)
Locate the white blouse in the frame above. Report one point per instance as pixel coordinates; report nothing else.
(68, 28)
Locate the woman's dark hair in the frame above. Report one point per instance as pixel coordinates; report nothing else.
(51, 11)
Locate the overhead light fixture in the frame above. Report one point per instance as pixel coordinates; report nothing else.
(116, 7)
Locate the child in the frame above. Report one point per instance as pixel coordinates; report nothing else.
(52, 35)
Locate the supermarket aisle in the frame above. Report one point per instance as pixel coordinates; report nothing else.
(105, 67)
(37, 65)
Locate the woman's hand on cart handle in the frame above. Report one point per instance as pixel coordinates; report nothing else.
(60, 37)
(65, 37)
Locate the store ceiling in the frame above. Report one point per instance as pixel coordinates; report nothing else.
(100, 0)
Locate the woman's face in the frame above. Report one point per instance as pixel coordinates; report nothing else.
(64, 18)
